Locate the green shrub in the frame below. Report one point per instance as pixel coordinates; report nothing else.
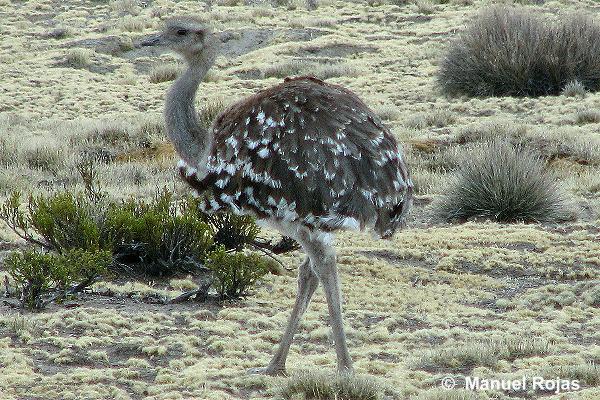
(509, 51)
(233, 231)
(37, 274)
(160, 237)
(67, 221)
(502, 182)
(235, 273)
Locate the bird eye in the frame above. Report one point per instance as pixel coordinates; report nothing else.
(182, 32)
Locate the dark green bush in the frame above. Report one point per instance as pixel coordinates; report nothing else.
(509, 51)
(235, 273)
(37, 274)
(160, 237)
(157, 238)
(232, 231)
(67, 221)
(503, 182)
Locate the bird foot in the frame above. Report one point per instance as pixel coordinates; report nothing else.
(271, 371)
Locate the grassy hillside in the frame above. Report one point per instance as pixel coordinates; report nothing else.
(475, 299)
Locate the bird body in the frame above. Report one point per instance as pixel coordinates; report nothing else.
(305, 152)
(305, 156)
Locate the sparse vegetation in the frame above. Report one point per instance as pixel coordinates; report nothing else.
(574, 89)
(503, 182)
(297, 67)
(78, 58)
(322, 386)
(37, 274)
(465, 356)
(164, 73)
(510, 51)
(235, 273)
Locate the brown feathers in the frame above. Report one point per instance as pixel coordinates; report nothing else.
(309, 152)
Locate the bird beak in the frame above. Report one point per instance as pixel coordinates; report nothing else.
(154, 40)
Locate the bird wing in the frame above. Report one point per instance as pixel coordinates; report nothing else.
(309, 151)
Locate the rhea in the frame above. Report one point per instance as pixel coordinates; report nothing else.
(305, 156)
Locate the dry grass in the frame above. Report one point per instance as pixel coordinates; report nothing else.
(164, 73)
(303, 68)
(434, 118)
(511, 51)
(320, 386)
(574, 89)
(504, 183)
(78, 58)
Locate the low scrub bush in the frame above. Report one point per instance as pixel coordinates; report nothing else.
(37, 274)
(232, 231)
(235, 273)
(508, 51)
(503, 182)
(160, 237)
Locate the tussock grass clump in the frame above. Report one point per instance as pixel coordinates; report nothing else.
(482, 354)
(587, 117)
(437, 119)
(8, 152)
(425, 6)
(164, 73)
(574, 89)
(19, 325)
(516, 347)
(551, 145)
(78, 58)
(587, 374)
(508, 51)
(464, 357)
(503, 182)
(592, 297)
(134, 24)
(321, 386)
(210, 111)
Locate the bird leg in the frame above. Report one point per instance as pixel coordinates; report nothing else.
(323, 257)
(307, 284)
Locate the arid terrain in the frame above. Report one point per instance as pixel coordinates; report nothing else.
(438, 300)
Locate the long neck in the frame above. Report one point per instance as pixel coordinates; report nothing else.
(192, 141)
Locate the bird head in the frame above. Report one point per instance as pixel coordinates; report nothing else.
(189, 37)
